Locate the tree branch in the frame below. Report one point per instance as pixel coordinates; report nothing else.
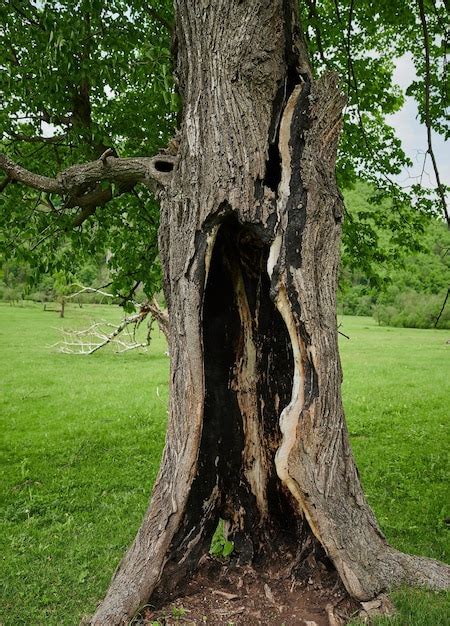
(21, 175)
(150, 307)
(352, 82)
(426, 42)
(98, 197)
(58, 120)
(161, 316)
(442, 309)
(29, 20)
(313, 14)
(37, 138)
(80, 184)
(158, 17)
(84, 289)
(91, 339)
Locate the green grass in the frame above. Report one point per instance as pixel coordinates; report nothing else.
(81, 439)
(396, 395)
(81, 443)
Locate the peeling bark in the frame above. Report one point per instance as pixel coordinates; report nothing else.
(249, 239)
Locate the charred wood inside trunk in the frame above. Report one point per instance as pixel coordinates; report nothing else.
(248, 369)
(247, 349)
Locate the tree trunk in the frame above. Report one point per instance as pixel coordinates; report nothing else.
(249, 240)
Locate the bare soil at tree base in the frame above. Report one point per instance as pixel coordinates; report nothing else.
(223, 595)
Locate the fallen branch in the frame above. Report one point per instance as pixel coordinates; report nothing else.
(159, 315)
(89, 340)
(99, 334)
(89, 290)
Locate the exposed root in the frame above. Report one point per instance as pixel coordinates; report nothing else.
(420, 571)
(381, 605)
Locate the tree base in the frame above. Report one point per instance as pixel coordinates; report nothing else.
(290, 588)
(222, 592)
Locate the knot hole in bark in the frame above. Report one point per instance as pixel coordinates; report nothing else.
(163, 166)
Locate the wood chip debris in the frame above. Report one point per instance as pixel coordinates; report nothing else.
(333, 619)
(224, 594)
(268, 593)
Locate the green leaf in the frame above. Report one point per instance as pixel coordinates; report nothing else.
(227, 548)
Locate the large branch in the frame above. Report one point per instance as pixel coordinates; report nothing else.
(20, 174)
(80, 185)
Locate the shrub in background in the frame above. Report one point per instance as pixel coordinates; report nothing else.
(413, 310)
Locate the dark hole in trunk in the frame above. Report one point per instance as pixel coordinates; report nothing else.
(248, 381)
(272, 177)
(164, 166)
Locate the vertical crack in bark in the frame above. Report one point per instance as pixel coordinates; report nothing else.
(296, 73)
(289, 419)
(284, 186)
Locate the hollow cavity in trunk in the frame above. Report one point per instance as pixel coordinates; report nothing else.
(248, 369)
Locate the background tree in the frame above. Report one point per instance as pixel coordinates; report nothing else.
(76, 75)
(249, 243)
(410, 290)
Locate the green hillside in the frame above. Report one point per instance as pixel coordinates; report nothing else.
(399, 288)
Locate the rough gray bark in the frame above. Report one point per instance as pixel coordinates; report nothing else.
(79, 185)
(249, 238)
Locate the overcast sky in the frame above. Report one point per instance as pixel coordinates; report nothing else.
(413, 134)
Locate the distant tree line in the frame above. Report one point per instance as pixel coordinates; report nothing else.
(398, 281)
(18, 282)
(398, 290)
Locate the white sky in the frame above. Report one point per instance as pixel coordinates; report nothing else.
(413, 134)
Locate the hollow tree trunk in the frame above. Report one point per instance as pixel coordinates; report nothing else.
(249, 238)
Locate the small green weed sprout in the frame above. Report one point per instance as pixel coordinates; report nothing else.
(219, 545)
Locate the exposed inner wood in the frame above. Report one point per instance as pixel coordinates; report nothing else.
(248, 382)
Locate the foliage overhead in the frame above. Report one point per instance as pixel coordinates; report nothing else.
(81, 76)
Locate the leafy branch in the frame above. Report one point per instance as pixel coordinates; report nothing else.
(81, 185)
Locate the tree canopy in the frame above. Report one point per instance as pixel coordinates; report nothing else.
(80, 77)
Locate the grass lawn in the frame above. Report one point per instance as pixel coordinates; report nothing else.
(81, 439)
